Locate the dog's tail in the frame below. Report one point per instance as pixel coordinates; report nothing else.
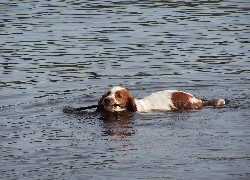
(215, 102)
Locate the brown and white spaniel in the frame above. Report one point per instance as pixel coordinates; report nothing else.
(120, 99)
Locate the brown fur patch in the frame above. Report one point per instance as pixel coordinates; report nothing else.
(101, 107)
(125, 98)
(182, 101)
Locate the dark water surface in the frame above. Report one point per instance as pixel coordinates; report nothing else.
(55, 54)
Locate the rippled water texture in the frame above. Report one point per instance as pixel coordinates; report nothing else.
(55, 55)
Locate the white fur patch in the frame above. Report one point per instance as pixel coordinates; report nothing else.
(194, 100)
(157, 101)
(220, 102)
(115, 89)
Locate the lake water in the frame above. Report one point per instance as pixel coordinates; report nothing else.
(60, 54)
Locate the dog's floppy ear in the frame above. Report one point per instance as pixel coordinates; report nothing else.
(131, 106)
(100, 105)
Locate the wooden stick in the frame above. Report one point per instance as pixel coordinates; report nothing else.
(84, 108)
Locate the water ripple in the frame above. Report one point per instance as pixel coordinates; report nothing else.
(60, 54)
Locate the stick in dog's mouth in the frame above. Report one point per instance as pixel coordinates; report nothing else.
(85, 108)
(116, 105)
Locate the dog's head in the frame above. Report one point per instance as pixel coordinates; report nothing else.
(117, 99)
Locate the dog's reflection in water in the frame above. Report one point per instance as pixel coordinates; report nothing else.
(118, 124)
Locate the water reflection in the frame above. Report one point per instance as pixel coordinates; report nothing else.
(118, 124)
(98, 40)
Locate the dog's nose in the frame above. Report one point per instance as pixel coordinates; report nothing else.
(106, 100)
